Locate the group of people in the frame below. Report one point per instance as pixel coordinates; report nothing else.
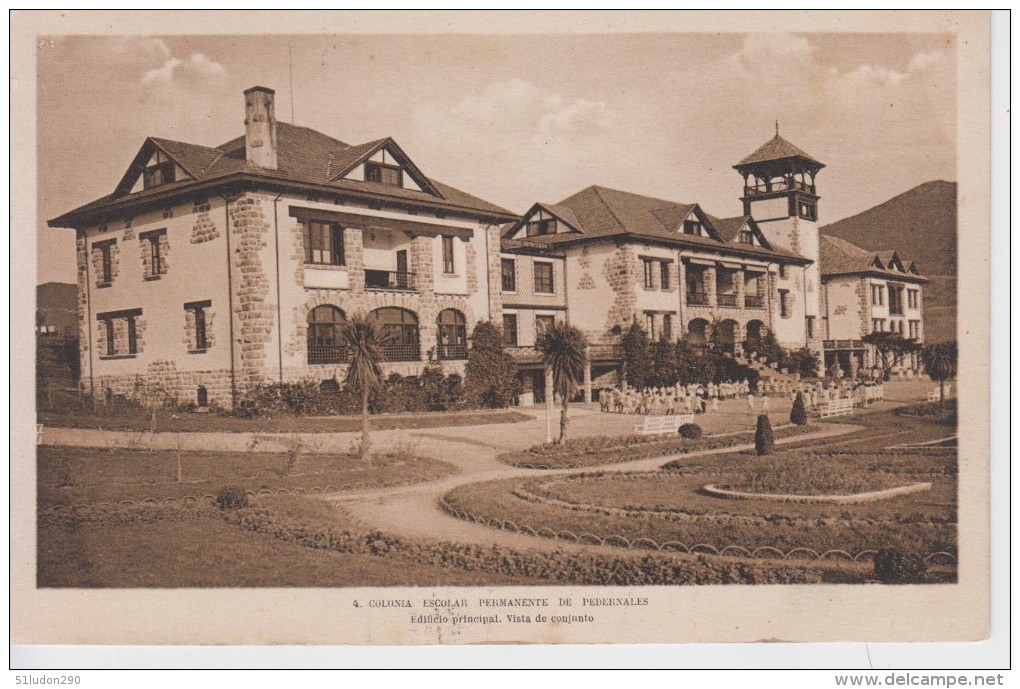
(700, 399)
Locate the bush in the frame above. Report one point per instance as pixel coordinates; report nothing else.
(764, 441)
(798, 414)
(894, 566)
(490, 375)
(231, 498)
(691, 431)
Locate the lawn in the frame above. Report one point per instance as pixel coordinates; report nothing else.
(670, 505)
(198, 548)
(74, 476)
(133, 418)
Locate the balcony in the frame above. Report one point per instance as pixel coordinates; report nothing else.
(726, 300)
(697, 299)
(327, 354)
(842, 344)
(451, 352)
(754, 301)
(401, 352)
(389, 280)
(778, 186)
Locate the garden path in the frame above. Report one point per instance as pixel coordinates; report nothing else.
(414, 511)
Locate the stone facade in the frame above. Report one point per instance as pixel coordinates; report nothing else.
(620, 272)
(204, 229)
(145, 245)
(492, 249)
(191, 332)
(97, 262)
(256, 318)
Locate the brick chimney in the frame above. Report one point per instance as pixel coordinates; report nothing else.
(260, 127)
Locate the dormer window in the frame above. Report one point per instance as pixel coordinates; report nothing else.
(160, 171)
(384, 174)
(540, 227)
(745, 237)
(692, 227)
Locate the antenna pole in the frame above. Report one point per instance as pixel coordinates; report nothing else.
(290, 65)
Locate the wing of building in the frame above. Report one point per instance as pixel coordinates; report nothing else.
(210, 270)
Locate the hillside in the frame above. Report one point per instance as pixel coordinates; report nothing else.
(57, 304)
(921, 225)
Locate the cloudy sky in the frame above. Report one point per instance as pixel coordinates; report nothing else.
(516, 119)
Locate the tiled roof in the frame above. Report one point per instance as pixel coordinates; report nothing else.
(303, 156)
(839, 257)
(727, 228)
(776, 148)
(563, 213)
(603, 213)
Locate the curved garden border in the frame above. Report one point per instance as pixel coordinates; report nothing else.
(851, 499)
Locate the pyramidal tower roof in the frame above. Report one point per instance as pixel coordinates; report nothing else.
(777, 148)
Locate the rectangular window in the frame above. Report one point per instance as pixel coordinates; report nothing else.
(536, 228)
(912, 300)
(877, 295)
(152, 243)
(448, 265)
(650, 325)
(124, 323)
(783, 271)
(784, 303)
(510, 329)
(324, 243)
(649, 273)
(692, 227)
(104, 276)
(877, 325)
(809, 326)
(160, 172)
(746, 237)
(544, 278)
(915, 329)
(807, 210)
(200, 342)
(664, 277)
(543, 323)
(392, 175)
(667, 326)
(896, 300)
(509, 270)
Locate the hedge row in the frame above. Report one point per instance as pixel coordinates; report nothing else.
(559, 566)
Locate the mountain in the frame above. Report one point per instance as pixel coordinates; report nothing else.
(56, 303)
(920, 224)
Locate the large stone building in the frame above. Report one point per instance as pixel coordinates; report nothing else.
(864, 292)
(209, 271)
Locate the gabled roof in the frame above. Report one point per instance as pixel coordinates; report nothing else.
(306, 159)
(777, 148)
(727, 228)
(603, 213)
(840, 257)
(349, 159)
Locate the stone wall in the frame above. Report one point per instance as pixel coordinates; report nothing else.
(256, 317)
(204, 229)
(493, 241)
(82, 261)
(161, 381)
(621, 273)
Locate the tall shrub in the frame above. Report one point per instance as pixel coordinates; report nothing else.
(490, 376)
(764, 441)
(636, 360)
(664, 363)
(798, 414)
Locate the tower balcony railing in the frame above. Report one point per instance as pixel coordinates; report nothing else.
(763, 188)
(726, 299)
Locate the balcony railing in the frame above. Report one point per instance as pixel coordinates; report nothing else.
(389, 279)
(778, 185)
(697, 299)
(754, 301)
(451, 352)
(401, 352)
(327, 354)
(842, 344)
(726, 299)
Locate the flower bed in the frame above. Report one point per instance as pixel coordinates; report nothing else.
(598, 450)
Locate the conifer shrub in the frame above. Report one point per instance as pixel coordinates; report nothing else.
(798, 414)
(231, 498)
(764, 441)
(690, 431)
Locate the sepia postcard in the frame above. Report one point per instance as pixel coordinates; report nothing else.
(491, 328)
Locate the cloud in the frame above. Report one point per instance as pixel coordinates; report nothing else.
(193, 70)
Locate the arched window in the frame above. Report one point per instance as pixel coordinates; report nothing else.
(697, 331)
(325, 344)
(400, 333)
(451, 335)
(727, 335)
(202, 396)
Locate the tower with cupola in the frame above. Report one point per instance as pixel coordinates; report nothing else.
(781, 195)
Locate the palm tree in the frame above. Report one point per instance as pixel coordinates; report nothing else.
(563, 353)
(940, 363)
(364, 341)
